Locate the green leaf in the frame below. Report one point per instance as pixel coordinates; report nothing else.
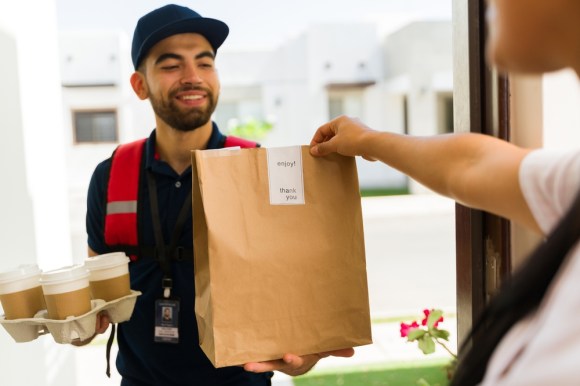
(441, 334)
(415, 334)
(434, 316)
(427, 345)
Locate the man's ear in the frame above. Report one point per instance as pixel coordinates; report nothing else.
(139, 85)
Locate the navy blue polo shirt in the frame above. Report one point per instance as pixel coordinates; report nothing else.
(140, 360)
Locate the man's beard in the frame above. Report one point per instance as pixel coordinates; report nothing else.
(180, 119)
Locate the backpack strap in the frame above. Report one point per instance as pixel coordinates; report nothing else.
(121, 229)
(121, 221)
(122, 196)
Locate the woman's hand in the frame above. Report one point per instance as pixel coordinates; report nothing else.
(343, 135)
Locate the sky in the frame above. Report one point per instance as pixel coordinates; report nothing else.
(256, 24)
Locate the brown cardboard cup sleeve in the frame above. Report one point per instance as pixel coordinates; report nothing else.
(279, 254)
(72, 328)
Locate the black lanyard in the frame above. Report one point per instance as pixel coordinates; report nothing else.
(164, 252)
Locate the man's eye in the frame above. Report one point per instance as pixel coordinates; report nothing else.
(172, 67)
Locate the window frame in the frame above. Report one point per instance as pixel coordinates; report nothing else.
(481, 103)
(112, 110)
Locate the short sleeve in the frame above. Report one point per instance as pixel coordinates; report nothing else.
(96, 201)
(550, 180)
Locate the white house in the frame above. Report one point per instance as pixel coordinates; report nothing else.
(329, 70)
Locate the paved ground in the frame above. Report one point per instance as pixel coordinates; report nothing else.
(387, 347)
(410, 250)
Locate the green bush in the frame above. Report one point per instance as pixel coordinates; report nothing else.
(251, 128)
(374, 192)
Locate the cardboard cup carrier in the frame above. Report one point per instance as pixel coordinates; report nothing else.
(21, 292)
(69, 314)
(109, 276)
(66, 292)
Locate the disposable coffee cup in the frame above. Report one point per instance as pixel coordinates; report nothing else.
(21, 292)
(66, 291)
(109, 276)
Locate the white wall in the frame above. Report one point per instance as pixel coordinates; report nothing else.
(95, 70)
(34, 225)
(561, 96)
(407, 71)
(286, 93)
(17, 233)
(91, 57)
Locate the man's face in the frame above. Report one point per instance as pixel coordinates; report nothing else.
(181, 81)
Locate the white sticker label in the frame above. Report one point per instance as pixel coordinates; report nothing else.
(285, 175)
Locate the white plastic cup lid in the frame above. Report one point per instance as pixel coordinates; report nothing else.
(22, 272)
(64, 275)
(107, 260)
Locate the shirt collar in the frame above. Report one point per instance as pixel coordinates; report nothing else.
(216, 141)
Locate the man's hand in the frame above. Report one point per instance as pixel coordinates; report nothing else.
(103, 322)
(293, 364)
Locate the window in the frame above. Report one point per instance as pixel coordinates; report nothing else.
(225, 112)
(405, 103)
(445, 113)
(344, 103)
(243, 117)
(95, 126)
(334, 107)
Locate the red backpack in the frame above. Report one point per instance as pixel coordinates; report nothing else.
(121, 224)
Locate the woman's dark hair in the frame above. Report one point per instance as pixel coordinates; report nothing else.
(519, 295)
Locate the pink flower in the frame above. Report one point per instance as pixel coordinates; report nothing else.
(424, 321)
(406, 328)
(428, 335)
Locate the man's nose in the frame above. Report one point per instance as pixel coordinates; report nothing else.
(190, 75)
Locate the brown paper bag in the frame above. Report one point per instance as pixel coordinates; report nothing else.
(274, 275)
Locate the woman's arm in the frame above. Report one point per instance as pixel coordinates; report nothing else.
(476, 170)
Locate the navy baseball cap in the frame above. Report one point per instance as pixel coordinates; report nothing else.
(171, 20)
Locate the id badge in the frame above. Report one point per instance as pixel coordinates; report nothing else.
(166, 321)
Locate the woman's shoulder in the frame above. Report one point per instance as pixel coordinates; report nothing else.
(550, 179)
